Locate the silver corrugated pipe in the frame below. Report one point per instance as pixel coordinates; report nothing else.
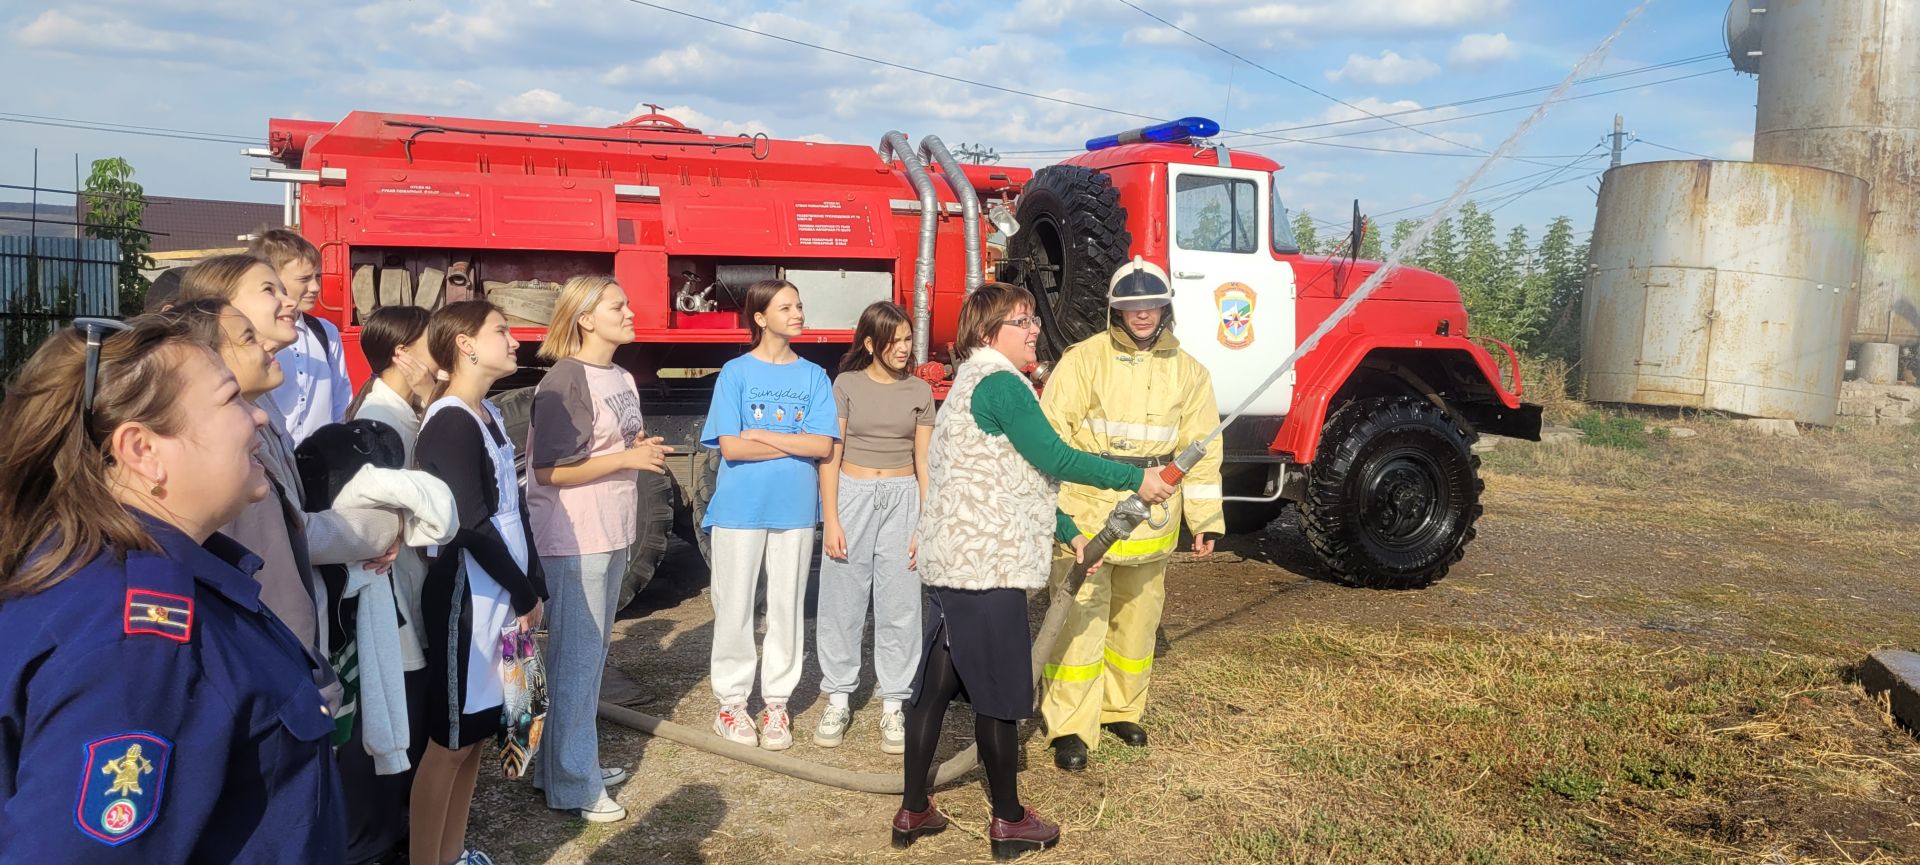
(932, 147)
(893, 146)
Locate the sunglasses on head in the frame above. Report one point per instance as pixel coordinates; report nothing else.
(96, 330)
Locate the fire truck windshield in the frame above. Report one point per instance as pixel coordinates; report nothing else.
(1283, 239)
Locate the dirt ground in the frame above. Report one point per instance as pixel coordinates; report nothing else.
(1647, 655)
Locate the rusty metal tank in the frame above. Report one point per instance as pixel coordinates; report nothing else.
(1723, 286)
(1840, 89)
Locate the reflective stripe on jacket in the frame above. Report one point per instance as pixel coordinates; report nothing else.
(1108, 397)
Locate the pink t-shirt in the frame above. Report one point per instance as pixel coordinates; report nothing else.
(580, 411)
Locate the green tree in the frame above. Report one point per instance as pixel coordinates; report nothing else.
(1440, 253)
(115, 204)
(1478, 269)
(1561, 272)
(1370, 246)
(1306, 234)
(1402, 232)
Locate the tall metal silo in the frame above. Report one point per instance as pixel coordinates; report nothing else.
(1840, 89)
(1724, 286)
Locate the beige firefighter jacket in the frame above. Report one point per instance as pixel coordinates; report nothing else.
(1108, 397)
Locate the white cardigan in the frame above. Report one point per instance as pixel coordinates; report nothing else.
(430, 519)
(385, 405)
(989, 518)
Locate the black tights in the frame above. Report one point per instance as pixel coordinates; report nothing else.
(998, 740)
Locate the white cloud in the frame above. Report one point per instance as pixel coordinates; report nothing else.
(92, 31)
(1739, 148)
(394, 90)
(707, 123)
(1361, 16)
(673, 66)
(545, 106)
(1481, 49)
(1389, 69)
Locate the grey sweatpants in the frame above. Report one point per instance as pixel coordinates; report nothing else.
(879, 517)
(583, 592)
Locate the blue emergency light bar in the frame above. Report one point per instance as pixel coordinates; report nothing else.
(1171, 132)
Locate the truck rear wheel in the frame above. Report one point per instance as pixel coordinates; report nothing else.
(1072, 237)
(1393, 495)
(705, 473)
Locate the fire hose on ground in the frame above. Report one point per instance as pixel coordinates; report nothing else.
(1120, 523)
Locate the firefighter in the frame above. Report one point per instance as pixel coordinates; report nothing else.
(1129, 394)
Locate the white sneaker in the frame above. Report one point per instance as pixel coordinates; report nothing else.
(736, 726)
(893, 732)
(604, 811)
(471, 856)
(776, 733)
(832, 728)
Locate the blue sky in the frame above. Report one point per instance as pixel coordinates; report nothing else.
(225, 66)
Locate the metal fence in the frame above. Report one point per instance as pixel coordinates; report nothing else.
(47, 281)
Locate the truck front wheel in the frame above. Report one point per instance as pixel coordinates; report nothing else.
(1393, 494)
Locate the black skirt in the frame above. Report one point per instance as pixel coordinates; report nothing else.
(449, 619)
(986, 634)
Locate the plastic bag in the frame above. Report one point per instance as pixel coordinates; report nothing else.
(524, 710)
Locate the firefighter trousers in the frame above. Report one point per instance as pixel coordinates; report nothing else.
(1099, 676)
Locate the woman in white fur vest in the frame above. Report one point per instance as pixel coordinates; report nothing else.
(986, 539)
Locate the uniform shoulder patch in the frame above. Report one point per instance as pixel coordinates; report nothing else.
(124, 777)
(166, 615)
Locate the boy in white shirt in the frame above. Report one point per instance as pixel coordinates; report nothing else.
(316, 391)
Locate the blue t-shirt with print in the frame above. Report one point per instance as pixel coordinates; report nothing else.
(781, 493)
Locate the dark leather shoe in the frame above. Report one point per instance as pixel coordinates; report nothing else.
(911, 825)
(1129, 732)
(1070, 753)
(1030, 835)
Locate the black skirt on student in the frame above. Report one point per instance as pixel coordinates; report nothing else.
(986, 633)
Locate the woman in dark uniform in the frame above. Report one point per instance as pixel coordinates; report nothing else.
(987, 534)
(152, 709)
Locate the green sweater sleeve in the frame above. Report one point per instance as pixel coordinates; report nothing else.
(1004, 406)
(1064, 530)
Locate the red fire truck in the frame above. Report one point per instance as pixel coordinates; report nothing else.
(1370, 433)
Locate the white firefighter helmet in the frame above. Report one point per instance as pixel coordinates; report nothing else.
(1139, 284)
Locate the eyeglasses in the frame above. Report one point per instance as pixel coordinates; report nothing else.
(96, 331)
(1022, 322)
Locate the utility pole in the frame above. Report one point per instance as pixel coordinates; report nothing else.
(1617, 135)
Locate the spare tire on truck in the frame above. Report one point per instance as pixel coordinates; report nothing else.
(1072, 237)
(655, 497)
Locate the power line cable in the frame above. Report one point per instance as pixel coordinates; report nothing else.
(89, 126)
(1307, 87)
(1685, 61)
(1674, 149)
(1510, 110)
(1012, 90)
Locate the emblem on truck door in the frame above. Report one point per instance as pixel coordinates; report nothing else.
(1235, 301)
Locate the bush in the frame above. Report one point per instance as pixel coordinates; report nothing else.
(1616, 431)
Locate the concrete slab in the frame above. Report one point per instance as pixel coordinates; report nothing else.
(1895, 673)
(1554, 434)
(1767, 426)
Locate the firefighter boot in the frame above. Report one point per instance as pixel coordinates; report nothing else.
(1070, 753)
(1129, 732)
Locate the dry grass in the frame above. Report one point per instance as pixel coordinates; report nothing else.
(1325, 744)
(1733, 732)
(1550, 384)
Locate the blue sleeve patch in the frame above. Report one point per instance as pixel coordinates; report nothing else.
(125, 774)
